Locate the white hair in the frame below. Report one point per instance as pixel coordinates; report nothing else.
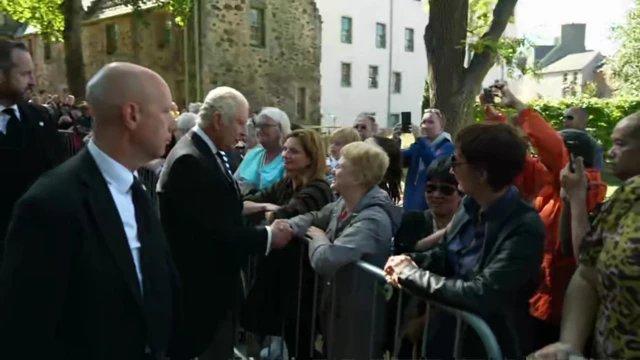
(223, 100)
(186, 121)
(195, 107)
(278, 116)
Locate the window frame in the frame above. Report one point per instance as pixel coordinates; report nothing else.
(381, 39)
(346, 35)
(345, 82)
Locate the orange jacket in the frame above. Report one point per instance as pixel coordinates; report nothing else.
(534, 175)
(557, 268)
(540, 181)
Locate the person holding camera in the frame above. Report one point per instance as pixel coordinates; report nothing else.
(431, 142)
(555, 151)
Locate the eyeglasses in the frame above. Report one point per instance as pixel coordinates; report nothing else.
(360, 127)
(264, 125)
(455, 163)
(444, 189)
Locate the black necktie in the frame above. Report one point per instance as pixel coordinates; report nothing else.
(13, 125)
(143, 210)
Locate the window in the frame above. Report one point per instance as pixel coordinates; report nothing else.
(381, 36)
(257, 27)
(345, 78)
(396, 84)
(47, 50)
(408, 40)
(164, 28)
(111, 33)
(346, 30)
(565, 77)
(394, 119)
(373, 77)
(301, 104)
(575, 77)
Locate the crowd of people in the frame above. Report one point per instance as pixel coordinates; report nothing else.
(507, 219)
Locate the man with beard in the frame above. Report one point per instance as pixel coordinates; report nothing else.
(29, 142)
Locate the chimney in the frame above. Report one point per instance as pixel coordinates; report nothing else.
(573, 37)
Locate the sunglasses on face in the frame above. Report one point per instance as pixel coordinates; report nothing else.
(444, 189)
(568, 117)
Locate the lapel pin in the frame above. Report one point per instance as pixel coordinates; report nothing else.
(41, 123)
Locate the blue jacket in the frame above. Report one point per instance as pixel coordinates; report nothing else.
(418, 157)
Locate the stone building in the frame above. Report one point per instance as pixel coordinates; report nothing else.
(267, 49)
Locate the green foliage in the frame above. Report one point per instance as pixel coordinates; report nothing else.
(510, 50)
(624, 64)
(45, 15)
(604, 114)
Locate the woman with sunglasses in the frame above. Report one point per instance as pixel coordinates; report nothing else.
(443, 198)
(489, 259)
(431, 142)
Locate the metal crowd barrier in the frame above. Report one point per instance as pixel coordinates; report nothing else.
(283, 350)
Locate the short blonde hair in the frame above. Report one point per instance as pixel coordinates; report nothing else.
(344, 136)
(369, 161)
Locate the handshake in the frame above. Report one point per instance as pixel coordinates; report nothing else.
(281, 234)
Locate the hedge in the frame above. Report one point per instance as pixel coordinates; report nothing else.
(604, 114)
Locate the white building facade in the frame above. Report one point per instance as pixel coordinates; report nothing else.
(362, 40)
(364, 44)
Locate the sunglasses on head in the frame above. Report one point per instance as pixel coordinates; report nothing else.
(444, 189)
(432, 111)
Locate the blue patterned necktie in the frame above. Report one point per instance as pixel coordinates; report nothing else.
(225, 163)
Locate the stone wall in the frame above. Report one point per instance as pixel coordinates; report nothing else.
(284, 73)
(137, 42)
(271, 75)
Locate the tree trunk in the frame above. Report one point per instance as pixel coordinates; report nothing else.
(444, 38)
(453, 86)
(73, 12)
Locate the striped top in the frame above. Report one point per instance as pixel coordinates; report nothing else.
(311, 197)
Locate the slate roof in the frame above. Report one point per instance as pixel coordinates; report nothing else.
(572, 62)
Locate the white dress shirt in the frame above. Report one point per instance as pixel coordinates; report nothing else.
(119, 180)
(4, 118)
(196, 129)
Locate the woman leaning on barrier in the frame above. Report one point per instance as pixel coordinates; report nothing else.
(272, 300)
(358, 226)
(489, 260)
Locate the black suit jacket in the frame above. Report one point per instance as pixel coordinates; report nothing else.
(41, 151)
(68, 285)
(202, 217)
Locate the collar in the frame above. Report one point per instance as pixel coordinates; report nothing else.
(14, 107)
(114, 173)
(196, 129)
(496, 209)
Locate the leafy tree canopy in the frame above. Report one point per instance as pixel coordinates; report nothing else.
(624, 65)
(47, 16)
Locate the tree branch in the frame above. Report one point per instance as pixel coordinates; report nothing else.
(481, 62)
(96, 5)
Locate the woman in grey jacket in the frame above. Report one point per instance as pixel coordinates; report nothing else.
(358, 226)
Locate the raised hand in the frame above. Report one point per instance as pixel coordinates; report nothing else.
(574, 183)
